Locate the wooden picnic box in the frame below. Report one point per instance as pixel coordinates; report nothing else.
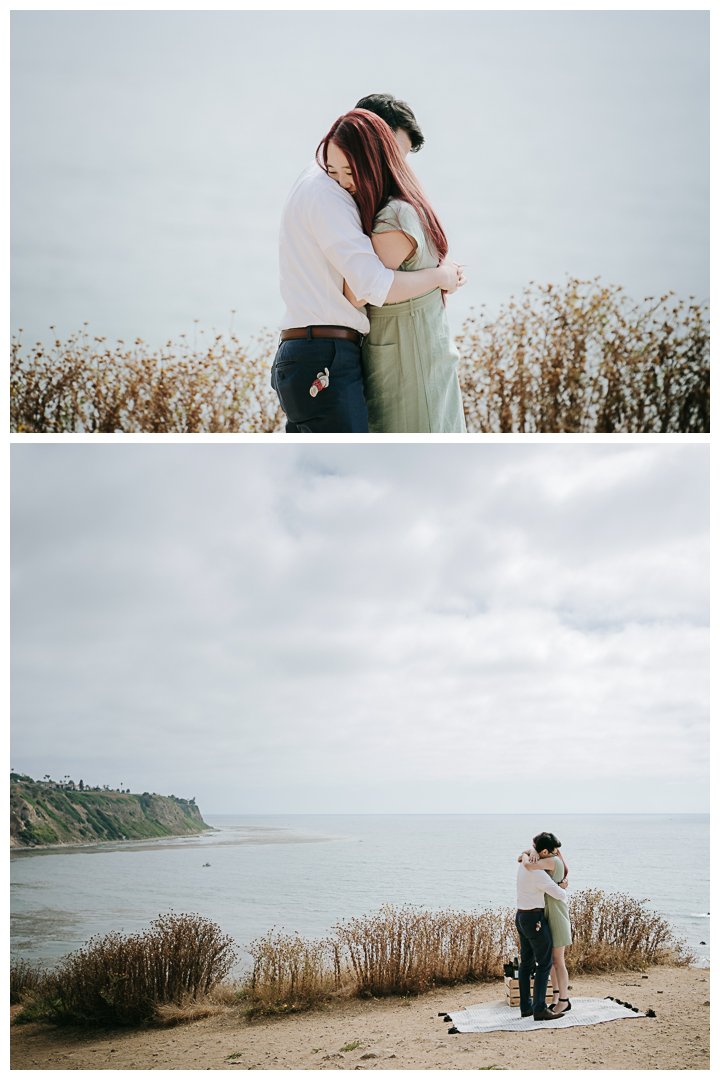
(512, 990)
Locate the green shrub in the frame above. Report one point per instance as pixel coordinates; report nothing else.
(61, 827)
(38, 834)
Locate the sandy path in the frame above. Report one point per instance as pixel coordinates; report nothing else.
(404, 1036)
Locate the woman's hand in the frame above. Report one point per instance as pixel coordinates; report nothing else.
(532, 861)
(564, 883)
(453, 275)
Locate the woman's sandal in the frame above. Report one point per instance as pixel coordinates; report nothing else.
(569, 1007)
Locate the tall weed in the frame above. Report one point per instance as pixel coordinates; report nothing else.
(122, 979)
(580, 357)
(86, 385)
(290, 973)
(26, 978)
(407, 950)
(174, 971)
(613, 930)
(583, 357)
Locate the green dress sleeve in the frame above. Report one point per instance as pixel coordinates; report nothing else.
(400, 215)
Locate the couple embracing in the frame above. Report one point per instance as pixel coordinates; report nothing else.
(543, 926)
(364, 271)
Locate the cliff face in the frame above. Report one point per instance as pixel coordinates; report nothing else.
(42, 815)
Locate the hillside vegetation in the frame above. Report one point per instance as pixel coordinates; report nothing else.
(41, 815)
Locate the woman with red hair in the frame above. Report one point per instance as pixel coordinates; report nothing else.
(409, 360)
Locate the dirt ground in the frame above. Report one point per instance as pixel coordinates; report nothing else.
(393, 1035)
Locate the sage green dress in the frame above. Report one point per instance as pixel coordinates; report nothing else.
(556, 911)
(409, 360)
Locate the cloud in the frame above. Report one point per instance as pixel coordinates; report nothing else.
(244, 620)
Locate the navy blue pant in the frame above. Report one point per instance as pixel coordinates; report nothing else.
(339, 406)
(535, 949)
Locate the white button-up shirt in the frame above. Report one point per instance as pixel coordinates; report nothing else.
(532, 886)
(322, 243)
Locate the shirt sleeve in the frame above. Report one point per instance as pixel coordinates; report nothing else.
(334, 221)
(553, 890)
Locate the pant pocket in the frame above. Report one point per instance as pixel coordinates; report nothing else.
(380, 355)
(295, 376)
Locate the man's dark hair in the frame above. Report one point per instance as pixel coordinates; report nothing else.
(546, 841)
(396, 114)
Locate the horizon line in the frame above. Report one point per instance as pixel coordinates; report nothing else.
(451, 813)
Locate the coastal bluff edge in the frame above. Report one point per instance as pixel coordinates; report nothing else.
(43, 816)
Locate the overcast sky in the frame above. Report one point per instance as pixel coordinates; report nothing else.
(396, 628)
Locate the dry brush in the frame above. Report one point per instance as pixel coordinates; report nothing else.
(123, 979)
(408, 950)
(177, 969)
(581, 357)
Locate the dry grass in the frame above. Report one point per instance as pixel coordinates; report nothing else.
(125, 979)
(26, 977)
(585, 358)
(221, 997)
(85, 385)
(408, 950)
(614, 931)
(175, 971)
(290, 974)
(580, 357)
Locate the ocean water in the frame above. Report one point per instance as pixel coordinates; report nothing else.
(308, 873)
(152, 153)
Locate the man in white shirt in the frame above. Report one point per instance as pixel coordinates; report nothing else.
(316, 372)
(534, 932)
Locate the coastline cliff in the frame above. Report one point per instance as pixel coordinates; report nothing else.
(42, 815)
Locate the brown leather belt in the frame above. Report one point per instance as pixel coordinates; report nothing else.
(310, 332)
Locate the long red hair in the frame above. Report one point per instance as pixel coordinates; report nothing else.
(380, 172)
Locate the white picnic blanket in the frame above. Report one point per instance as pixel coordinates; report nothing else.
(497, 1016)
